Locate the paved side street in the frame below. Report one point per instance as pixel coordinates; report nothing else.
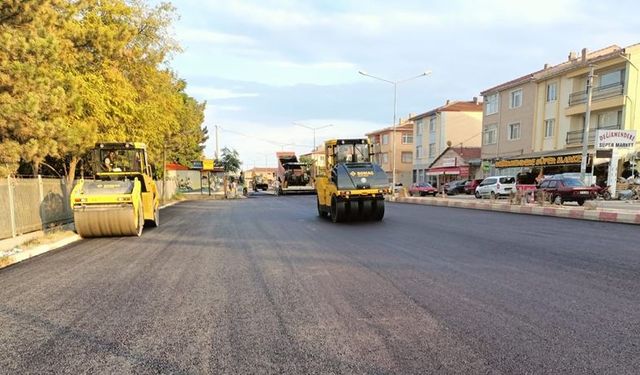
(262, 285)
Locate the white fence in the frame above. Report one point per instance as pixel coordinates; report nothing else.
(31, 204)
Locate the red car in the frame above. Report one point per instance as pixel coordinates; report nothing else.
(422, 189)
(562, 189)
(471, 185)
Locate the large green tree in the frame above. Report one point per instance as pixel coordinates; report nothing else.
(74, 72)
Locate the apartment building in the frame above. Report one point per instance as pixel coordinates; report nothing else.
(507, 121)
(534, 124)
(317, 158)
(456, 123)
(382, 141)
(561, 106)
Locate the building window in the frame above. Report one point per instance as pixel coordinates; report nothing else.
(491, 104)
(385, 158)
(514, 131)
(406, 157)
(432, 150)
(490, 135)
(548, 127)
(385, 139)
(432, 124)
(516, 99)
(419, 127)
(610, 119)
(418, 152)
(611, 78)
(407, 138)
(552, 89)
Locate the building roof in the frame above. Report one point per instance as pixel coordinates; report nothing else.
(261, 169)
(509, 84)
(453, 106)
(466, 153)
(592, 57)
(405, 126)
(176, 167)
(575, 61)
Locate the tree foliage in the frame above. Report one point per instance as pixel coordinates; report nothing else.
(230, 160)
(75, 72)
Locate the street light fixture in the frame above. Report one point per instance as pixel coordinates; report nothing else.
(312, 128)
(395, 110)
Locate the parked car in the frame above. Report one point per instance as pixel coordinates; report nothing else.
(422, 189)
(496, 186)
(455, 187)
(567, 189)
(471, 185)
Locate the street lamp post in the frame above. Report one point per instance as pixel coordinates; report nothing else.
(314, 130)
(395, 111)
(585, 130)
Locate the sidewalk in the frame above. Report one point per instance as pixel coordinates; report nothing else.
(624, 216)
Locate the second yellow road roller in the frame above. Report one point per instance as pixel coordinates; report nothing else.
(351, 187)
(121, 197)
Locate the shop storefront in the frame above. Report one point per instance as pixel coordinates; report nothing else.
(454, 163)
(529, 167)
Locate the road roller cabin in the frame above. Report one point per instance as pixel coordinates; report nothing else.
(122, 195)
(353, 188)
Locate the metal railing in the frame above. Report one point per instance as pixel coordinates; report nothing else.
(575, 137)
(32, 204)
(599, 93)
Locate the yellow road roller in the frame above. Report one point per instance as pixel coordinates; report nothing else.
(122, 195)
(351, 187)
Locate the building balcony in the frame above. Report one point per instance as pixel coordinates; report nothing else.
(574, 138)
(599, 93)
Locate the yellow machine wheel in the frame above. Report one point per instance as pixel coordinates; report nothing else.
(338, 210)
(378, 209)
(321, 212)
(156, 219)
(107, 220)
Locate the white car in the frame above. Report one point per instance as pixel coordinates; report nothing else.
(496, 186)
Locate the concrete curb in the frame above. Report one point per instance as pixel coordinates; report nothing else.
(39, 250)
(612, 216)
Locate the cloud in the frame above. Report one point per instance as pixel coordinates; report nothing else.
(213, 37)
(209, 93)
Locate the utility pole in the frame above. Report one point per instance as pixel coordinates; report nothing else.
(585, 130)
(164, 172)
(217, 149)
(395, 110)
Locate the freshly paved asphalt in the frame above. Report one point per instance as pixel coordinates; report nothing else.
(262, 285)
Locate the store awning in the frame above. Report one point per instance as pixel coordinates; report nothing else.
(548, 160)
(462, 171)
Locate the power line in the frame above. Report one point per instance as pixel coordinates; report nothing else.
(263, 139)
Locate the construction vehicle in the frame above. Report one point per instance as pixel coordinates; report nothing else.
(293, 177)
(122, 195)
(258, 183)
(352, 187)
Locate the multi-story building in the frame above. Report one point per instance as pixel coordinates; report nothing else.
(507, 122)
(561, 106)
(317, 158)
(456, 123)
(554, 104)
(382, 141)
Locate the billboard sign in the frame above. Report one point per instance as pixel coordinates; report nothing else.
(608, 139)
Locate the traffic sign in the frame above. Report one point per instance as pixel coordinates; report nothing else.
(208, 165)
(196, 164)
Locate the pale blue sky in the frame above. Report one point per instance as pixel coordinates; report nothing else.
(262, 65)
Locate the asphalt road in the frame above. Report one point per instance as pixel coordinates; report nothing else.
(262, 285)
